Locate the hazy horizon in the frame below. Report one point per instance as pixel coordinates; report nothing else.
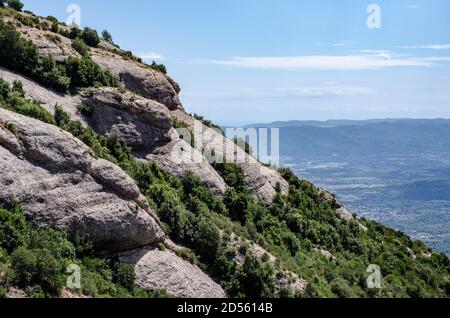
(239, 124)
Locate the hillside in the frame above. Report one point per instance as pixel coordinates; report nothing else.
(90, 145)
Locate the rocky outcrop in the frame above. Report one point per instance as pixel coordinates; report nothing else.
(45, 96)
(146, 126)
(61, 185)
(140, 78)
(139, 122)
(157, 269)
(137, 77)
(179, 158)
(261, 179)
(49, 43)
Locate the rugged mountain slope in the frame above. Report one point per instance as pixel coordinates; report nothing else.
(60, 184)
(108, 155)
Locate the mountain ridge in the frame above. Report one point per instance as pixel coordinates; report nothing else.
(238, 229)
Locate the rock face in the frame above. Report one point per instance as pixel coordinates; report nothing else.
(49, 43)
(137, 77)
(146, 126)
(140, 79)
(157, 269)
(139, 122)
(261, 179)
(178, 158)
(61, 185)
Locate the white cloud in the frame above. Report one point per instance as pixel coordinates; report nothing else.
(151, 56)
(366, 61)
(414, 6)
(428, 46)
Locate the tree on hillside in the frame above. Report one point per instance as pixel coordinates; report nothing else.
(106, 36)
(90, 37)
(14, 4)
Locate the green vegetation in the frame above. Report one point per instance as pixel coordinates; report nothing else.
(90, 37)
(80, 46)
(243, 144)
(37, 261)
(158, 67)
(13, 4)
(85, 72)
(106, 36)
(75, 32)
(21, 55)
(289, 228)
(13, 98)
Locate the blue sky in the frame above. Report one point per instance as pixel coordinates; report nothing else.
(244, 61)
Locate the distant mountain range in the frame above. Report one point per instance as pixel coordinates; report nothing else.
(347, 122)
(396, 171)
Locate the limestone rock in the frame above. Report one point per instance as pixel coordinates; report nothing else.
(178, 158)
(61, 185)
(139, 78)
(49, 43)
(261, 179)
(157, 269)
(139, 122)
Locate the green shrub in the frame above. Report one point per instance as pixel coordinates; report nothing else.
(254, 279)
(52, 19)
(106, 36)
(81, 47)
(124, 275)
(233, 175)
(36, 261)
(3, 292)
(15, 4)
(85, 72)
(14, 230)
(75, 32)
(158, 67)
(55, 27)
(90, 37)
(13, 99)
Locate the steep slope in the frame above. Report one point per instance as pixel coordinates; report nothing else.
(262, 233)
(159, 87)
(61, 185)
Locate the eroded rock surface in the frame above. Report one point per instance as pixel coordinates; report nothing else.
(178, 157)
(45, 96)
(61, 185)
(261, 179)
(157, 269)
(139, 122)
(140, 78)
